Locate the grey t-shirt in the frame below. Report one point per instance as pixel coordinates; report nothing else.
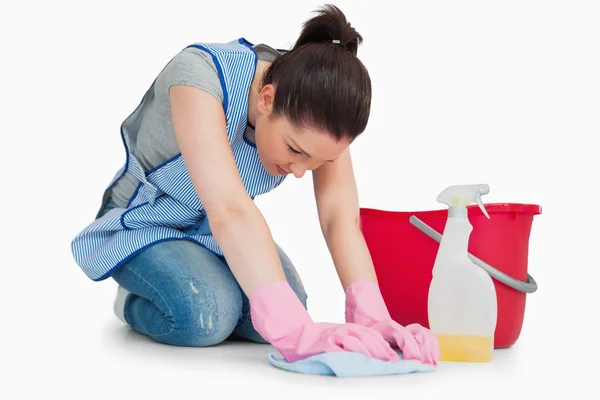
(156, 142)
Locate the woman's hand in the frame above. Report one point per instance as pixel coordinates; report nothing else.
(365, 306)
(281, 319)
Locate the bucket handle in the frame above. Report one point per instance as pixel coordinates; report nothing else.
(527, 287)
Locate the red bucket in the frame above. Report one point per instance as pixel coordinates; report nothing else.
(403, 248)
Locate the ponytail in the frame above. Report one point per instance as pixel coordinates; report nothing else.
(321, 83)
(330, 26)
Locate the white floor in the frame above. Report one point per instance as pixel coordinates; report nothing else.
(92, 355)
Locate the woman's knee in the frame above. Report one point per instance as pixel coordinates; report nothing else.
(194, 300)
(204, 314)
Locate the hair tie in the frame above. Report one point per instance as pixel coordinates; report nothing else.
(337, 41)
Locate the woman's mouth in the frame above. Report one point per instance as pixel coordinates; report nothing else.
(281, 170)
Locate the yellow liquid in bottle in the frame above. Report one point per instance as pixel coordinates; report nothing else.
(462, 348)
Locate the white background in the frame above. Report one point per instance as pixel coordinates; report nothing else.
(505, 93)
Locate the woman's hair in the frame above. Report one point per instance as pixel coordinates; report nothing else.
(321, 83)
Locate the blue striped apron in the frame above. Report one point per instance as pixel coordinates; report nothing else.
(165, 205)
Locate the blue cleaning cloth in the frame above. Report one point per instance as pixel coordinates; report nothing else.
(349, 364)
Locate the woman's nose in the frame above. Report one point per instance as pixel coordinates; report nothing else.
(298, 170)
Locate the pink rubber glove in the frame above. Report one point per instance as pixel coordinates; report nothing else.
(281, 319)
(365, 306)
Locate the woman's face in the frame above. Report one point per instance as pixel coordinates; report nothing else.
(286, 149)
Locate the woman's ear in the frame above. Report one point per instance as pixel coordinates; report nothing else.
(266, 97)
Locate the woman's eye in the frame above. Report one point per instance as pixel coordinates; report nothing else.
(293, 150)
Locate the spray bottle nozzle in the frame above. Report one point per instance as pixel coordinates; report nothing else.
(463, 195)
(480, 203)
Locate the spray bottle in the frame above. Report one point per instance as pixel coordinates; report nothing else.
(462, 303)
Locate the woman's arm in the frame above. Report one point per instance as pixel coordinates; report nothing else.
(339, 215)
(236, 223)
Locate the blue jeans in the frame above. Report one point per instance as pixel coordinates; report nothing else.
(184, 295)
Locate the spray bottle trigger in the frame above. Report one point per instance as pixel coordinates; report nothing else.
(482, 207)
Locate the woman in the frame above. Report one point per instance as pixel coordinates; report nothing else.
(178, 229)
